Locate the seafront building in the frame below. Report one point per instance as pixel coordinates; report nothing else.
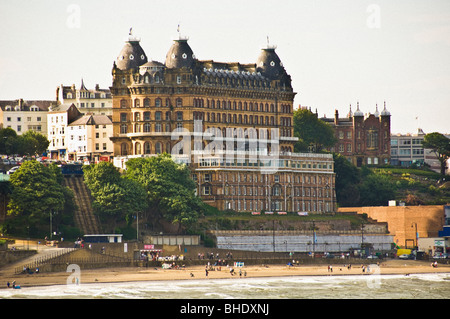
(231, 122)
(364, 139)
(95, 101)
(88, 139)
(407, 149)
(21, 115)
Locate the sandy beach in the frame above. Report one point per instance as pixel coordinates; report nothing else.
(130, 274)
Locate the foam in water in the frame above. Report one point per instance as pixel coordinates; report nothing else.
(391, 286)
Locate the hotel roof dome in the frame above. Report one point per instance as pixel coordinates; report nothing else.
(132, 55)
(180, 55)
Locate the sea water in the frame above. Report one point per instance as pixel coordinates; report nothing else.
(414, 286)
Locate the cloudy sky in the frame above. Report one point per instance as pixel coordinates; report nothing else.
(338, 52)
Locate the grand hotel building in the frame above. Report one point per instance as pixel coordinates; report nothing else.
(231, 122)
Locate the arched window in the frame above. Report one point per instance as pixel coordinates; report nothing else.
(158, 148)
(147, 127)
(123, 103)
(137, 148)
(137, 117)
(147, 148)
(137, 103)
(146, 102)
(124, 149)
(123, 129)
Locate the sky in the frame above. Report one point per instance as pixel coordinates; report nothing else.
(338, 52)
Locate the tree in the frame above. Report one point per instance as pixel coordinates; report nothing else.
(35, 193)
(439, 145)
(170, 188)
(313, 133)
(29, 143)
(347, 181)
(114, 196)
(8, 141)
(36, 143)
(376, 190)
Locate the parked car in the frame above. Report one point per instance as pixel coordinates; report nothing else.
(406, 256)
(441, 256)
(372, 257)
(12, 170)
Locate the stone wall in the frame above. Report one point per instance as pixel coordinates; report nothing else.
(402, 220)
(304, 242)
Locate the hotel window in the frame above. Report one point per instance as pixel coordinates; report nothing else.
(179, 102)
(147, 127)
(123, 129)
(179, 116)
(158, 127)
(158, 102)
(123, 117)
(372, 139)
(147, 148)
(207, 190)
(178, 79)
(158, 116)
(104, 146)
(158, 148)
(146, 102)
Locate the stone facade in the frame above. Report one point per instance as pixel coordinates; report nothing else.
(402, 220)
(231, 122)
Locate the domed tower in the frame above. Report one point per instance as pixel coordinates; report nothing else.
(132, 55)
(180, 55)
(270, 66)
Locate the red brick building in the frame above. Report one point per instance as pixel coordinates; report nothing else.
(363, 139)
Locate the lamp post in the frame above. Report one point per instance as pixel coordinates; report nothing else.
(414, 224)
